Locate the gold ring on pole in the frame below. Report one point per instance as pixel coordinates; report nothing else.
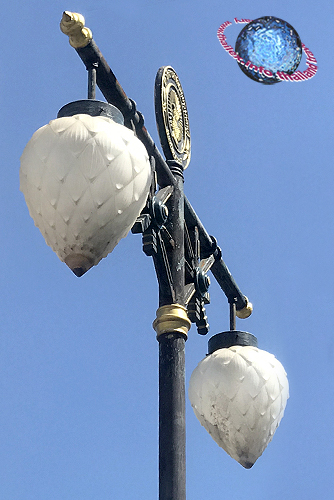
(172, 319)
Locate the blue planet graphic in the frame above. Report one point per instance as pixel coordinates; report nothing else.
(268, 44)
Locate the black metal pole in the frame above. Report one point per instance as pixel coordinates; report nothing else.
(172, 431)
(176, 224)
(172, 434)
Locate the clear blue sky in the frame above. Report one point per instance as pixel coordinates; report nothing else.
(78, 356)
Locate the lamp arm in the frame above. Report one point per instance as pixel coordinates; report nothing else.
(114, 94)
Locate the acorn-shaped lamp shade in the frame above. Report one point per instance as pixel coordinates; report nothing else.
(85, 180)
(239, 395)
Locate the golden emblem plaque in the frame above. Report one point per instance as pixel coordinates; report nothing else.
(172, 116)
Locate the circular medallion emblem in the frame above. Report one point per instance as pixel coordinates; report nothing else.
(172, 116)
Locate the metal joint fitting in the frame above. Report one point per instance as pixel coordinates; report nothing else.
(172, 318)
(202, 282)
(159, 212)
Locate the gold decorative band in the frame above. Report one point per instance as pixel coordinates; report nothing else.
(246, 311)
(73, 25)
(172, 319)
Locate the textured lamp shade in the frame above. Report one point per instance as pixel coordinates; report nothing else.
(85, 180)
(239, 395)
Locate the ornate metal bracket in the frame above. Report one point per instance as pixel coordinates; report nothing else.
(158, 243)
(158, 238)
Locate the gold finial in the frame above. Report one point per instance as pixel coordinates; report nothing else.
(73, 25)
(172, 319)
(246, 311)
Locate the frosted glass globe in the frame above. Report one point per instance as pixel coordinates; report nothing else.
(85, 180)
(239, 395)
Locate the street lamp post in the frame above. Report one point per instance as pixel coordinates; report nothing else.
(93, 174)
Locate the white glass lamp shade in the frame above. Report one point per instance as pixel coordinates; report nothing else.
(85, 180)
(239, 395)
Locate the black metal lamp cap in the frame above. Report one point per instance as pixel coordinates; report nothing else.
(230, 338)
(92, 107)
